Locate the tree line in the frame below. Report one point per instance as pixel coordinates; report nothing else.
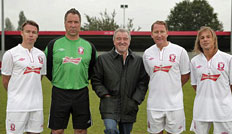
(185, 16)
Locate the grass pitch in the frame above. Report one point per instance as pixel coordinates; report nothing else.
(98, 127)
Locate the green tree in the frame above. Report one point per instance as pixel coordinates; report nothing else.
(8, 25)
(105, 22)
(22, 19)
(190, 16)
(130, 25)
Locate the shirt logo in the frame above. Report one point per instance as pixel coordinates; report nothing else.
(21, 59)
(199, 66)
(61, 49)
(71, 60)
(172, 57)
(210, 77)
(32, 70)
(165, 69)
(151, 58)
(81, 50)
(221, 66)
(40, 59)
(12, 127)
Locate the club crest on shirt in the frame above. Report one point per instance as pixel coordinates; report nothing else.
(12, 127)
(172, 57)
(81, 50)
(221, 66)
(40, 59)
(71, 60)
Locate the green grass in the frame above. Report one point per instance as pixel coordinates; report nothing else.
(140, 126)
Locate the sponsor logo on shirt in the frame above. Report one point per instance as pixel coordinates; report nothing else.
(32, 70)
(172, 57)
(221, 66)
(61, 49)
(165, 68)
(12, 127)
(71, 60)
(210, 77)
(21, 59)
(81, 50)
(40, 59)
(225, 133)
(199, 66)
(151, 58)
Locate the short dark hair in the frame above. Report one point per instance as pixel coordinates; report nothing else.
(30, 22)
(159, 23)
(72, 11)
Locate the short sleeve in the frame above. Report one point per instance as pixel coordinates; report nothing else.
(145, 63)
(193, 74)
(44, 67)
(7, 63)
(184, 62)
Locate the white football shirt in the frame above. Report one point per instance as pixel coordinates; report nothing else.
(165, 68)
(213, 101)
(25, 68)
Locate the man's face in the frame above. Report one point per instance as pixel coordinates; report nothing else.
(206, 40)
(122, 42)
(159, 34)
(72, 25)
(29, 34)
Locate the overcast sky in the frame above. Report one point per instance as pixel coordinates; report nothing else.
(50, 13)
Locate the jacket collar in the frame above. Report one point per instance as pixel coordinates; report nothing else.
(115, 54)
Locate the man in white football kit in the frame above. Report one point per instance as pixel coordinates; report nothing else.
(168, 67)
(211, 77)
(22, 69)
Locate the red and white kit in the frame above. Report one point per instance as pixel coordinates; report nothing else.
(165, 68)
(213, 101)
(25, 68)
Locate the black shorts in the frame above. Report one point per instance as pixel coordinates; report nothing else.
(66, 102)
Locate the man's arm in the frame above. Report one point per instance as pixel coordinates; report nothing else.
(97, 79)
(184, 78)
(194, 87)
(5, 80)
(142, 85)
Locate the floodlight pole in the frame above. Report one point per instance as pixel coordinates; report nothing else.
(231, 28)
(3, 33)
(123, 6)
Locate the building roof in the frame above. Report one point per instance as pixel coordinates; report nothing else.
(103, 40)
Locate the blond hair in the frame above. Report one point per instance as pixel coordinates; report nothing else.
(197, 46)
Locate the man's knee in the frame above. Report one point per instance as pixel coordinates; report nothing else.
(59, 131)
(80, 131)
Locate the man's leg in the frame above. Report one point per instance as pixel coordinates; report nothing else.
(111, 126)
(58, 131)
(125, 128)
(81, 115)
(80, 131)
(60, 110)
